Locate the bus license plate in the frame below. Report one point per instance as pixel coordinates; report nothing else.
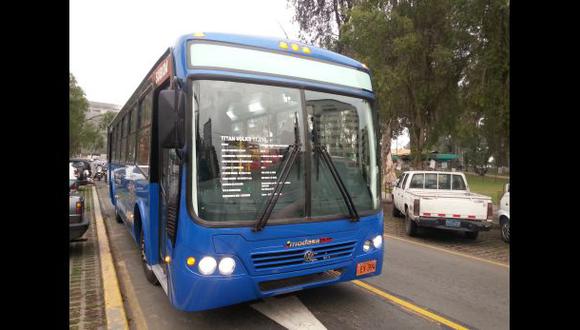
(366, 267)
(452, 223)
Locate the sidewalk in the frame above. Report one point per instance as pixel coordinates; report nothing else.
(86, 303)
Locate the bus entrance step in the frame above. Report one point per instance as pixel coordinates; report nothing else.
(160, 274)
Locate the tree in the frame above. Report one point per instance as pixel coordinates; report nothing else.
(321, 21)
(78, 106)
(106, 120)
(485, 89)
(416, 53)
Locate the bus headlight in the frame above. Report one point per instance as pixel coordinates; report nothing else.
(367, 246)
(378, 241)
(227, 266)
(207, 265)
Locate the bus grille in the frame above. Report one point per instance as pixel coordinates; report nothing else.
(300, 280)
(288, 258)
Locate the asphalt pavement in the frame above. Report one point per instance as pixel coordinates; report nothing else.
(470, 292)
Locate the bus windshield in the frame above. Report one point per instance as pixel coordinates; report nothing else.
(243, 133)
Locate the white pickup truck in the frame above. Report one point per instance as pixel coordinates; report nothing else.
(440, 200)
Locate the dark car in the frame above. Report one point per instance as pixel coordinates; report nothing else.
(78, 222)
(83, 167)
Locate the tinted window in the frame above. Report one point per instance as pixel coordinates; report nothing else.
(132, 136)
(143, 136)
(458, 183)
(417, 181)
(133, 119)
(444, 181)
(431, 181)
(145, 110)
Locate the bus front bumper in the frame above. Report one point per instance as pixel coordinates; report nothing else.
(198, 292)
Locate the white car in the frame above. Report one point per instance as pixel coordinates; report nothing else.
(504, 214)
(441, 200)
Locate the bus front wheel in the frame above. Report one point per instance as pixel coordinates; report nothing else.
(151, 278)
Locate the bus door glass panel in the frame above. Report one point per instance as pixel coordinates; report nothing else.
(243, 136)
(343, 125)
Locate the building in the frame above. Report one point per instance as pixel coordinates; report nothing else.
(94, 115)
(99, 109)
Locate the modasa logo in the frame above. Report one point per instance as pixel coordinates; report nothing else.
(306, 242)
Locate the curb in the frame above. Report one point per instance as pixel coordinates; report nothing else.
(114, 308)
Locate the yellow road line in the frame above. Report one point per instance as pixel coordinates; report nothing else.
(416, 309)
(131, 296)
(448, 251)
(114, 309)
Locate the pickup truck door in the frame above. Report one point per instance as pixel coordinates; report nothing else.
(400, 193)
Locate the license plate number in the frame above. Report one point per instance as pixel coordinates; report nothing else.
(366, 267)
(452, 223)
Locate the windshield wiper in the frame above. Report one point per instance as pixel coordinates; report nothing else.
(321, 150)
(284, 171)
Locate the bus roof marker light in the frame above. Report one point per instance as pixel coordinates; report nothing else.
(199, 34)
(283, 45)
(306, 50)
(295, 47)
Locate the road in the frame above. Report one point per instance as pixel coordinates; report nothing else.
(469, 292)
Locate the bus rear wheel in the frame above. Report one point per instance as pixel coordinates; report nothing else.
(151, 278)
(117, 216)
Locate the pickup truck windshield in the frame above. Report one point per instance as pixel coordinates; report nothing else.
(243, 133)
(440, 181)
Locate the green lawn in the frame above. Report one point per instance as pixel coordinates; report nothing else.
(492, 187)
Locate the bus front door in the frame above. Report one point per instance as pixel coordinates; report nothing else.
(168, 200)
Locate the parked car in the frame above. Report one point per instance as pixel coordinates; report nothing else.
(441, 200)
(504, 214)
(78, 222)
(83, 167)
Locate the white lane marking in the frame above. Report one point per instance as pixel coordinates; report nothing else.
(289, 312)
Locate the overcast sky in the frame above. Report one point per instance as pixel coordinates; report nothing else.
(114, 43)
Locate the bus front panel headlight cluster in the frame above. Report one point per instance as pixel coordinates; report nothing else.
(208, 265)
(376, 243)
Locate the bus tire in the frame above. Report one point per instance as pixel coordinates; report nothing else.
(472, 234)
(117, 216)
(149, 275)
(410, 225)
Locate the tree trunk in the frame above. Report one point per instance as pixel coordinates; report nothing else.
(389, 176)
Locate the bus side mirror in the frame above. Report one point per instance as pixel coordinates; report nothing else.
(171, 118)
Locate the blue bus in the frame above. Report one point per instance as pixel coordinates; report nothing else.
(247, 167)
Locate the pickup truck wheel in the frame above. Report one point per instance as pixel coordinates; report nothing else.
(471, 234)
(151, 278)
(396, 212)
(410, 225)
(505, 230)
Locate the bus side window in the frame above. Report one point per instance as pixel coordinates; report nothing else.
(143, 135)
